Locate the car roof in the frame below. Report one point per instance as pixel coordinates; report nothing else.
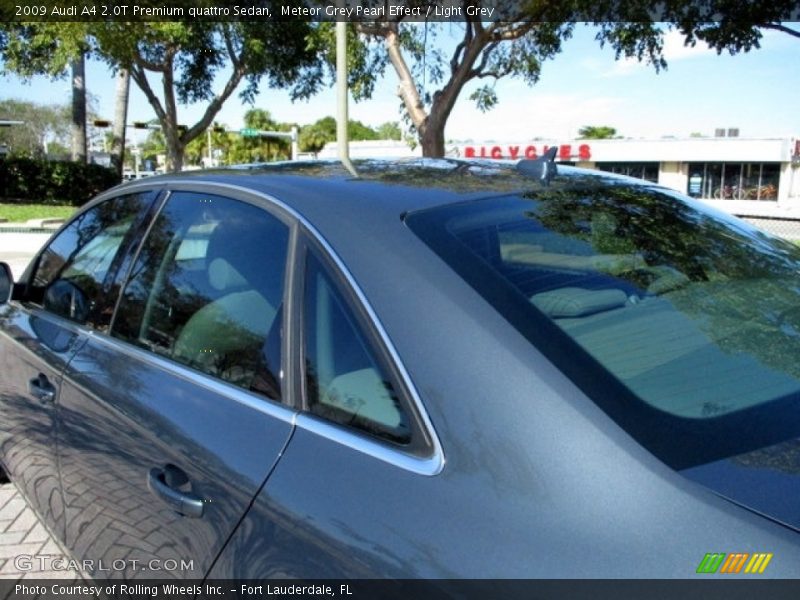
(362, 217)
(383, 187)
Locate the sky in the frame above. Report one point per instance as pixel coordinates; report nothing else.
(757, 92)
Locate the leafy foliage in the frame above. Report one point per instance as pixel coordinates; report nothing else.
(187, 57)
(731, 25)
(52, 182)
(431, 78)
(42, 124)
(365, 61)
(485, 98)
(314, 137)
(42, 48)
(389, 131)
(596, 132)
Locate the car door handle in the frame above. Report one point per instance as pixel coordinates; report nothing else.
(163, 482)
(40, 387)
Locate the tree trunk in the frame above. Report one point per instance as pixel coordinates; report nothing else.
(175, 151)
(432, 138)
(79, 109)
(120, 119)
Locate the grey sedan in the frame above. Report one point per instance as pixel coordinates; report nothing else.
(438, 369)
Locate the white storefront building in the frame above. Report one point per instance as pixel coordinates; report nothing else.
(739, 175)
(744, 176)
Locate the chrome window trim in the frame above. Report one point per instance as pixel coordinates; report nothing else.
(352, 438)
(429, 466)
(288, 359)
(84, 334)
(135, 256)
(259, 403)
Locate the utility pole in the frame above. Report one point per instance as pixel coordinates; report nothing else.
(342, 141)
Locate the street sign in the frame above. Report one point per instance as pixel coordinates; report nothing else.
(249, 132)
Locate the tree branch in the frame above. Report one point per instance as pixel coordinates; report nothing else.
(140, 77)
(477, 71)
(445, 99)
(235, 59)
(168, 83)
(512, 33)
(783, 28)
(458, 53)
(376, 29)
(406, 89)
(146, 64)
(216, 104)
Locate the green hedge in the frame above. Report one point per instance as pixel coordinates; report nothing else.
(27, 180)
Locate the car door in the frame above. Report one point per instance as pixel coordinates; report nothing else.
(69, 287)
(345, 499)
(172, 423)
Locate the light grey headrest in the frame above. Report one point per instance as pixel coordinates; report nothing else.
(223, 276)
(577, 302)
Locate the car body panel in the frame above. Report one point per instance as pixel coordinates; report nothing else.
(34, 346)
(527, 476)
(557, 510)
(122, 418)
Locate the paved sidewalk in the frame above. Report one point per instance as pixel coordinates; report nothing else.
(25, 545)
(17, 248)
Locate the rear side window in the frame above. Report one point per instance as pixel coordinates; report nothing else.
(74, 274)
(345, 382)
(207, 290)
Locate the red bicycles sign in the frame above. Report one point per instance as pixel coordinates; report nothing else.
(565, 151)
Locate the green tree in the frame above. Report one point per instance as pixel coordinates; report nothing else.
(51, 49)
(188, 55)
(153, 145)
(733, 26)
(514, 44)
(260, 149)
(597, 132)
(389, 131)
(312, 138)
(358, 131)
(45, 128)
(265, 148)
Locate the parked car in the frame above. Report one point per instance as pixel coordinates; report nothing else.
(439, 369)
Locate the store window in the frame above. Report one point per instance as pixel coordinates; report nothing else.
(734, 181)
(641, 170)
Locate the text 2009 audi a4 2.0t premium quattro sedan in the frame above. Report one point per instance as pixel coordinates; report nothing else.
(437, 369)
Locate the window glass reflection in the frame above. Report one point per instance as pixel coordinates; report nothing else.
(207, 290)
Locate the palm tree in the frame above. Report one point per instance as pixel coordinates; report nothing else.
(79, 108)
(120, 118)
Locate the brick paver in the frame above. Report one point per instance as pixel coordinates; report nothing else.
(26, 548)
